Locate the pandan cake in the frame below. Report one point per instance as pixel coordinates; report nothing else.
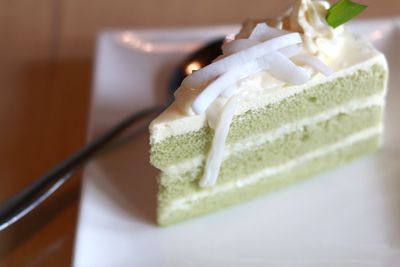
(288, 98)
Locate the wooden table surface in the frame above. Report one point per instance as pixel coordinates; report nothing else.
(46, 60)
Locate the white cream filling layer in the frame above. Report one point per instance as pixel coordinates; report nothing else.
(188, 201)
(250, 143)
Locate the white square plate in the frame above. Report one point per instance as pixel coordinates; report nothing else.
(349, 216)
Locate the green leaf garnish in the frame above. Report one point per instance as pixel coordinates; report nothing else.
(343, 11)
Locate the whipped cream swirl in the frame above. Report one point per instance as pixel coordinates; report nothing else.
(319, 38)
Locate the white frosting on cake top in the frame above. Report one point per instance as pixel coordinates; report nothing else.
(262, 88)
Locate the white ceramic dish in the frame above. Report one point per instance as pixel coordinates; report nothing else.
(346, 217)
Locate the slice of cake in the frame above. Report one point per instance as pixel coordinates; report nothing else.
(288, 99)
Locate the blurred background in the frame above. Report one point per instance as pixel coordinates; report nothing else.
(47, 49)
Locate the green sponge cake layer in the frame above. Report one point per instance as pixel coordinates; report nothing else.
(310, 166)
(362, 84)
(275, 152)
